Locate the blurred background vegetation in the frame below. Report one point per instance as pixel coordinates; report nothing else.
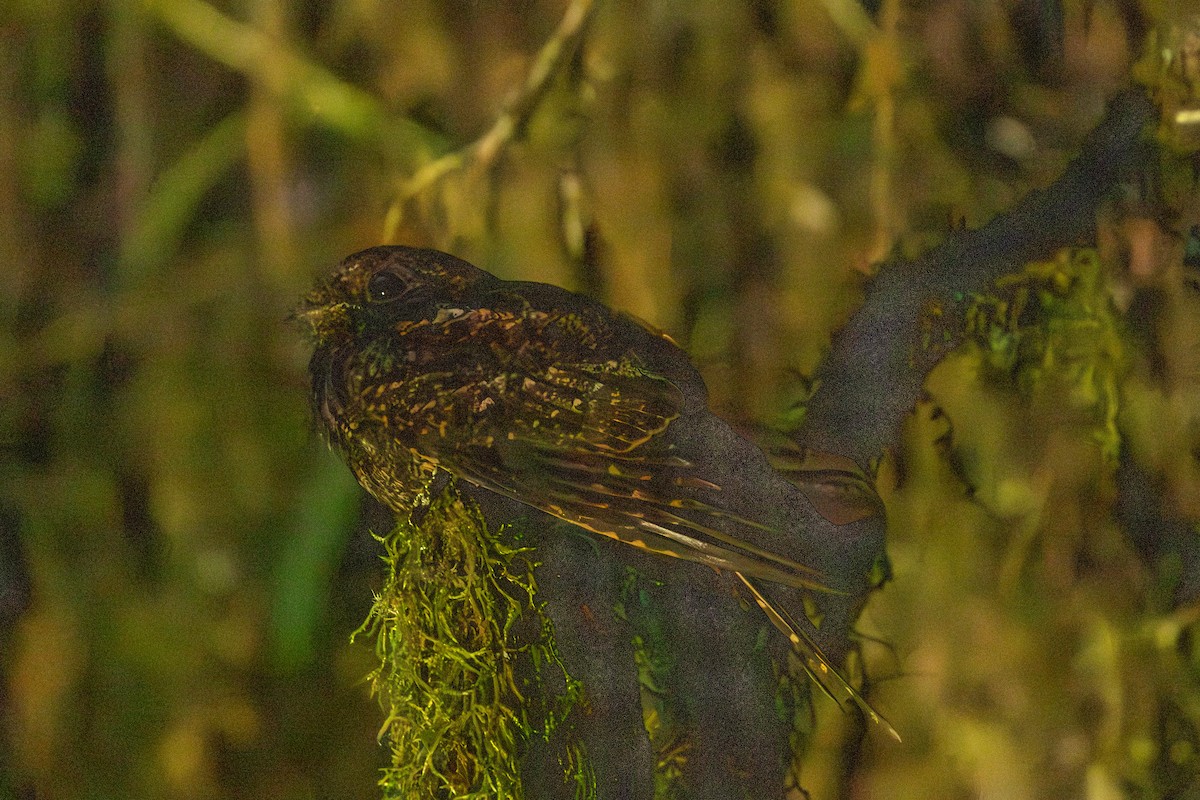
(182, 563)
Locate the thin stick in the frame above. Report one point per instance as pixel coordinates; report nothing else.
(482, 153)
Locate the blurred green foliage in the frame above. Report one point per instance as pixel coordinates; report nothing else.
(173, 174)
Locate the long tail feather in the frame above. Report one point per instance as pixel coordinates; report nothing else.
(815, 663)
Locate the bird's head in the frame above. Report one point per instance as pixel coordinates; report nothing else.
(376, 288)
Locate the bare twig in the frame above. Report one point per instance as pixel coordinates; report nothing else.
(482, 153)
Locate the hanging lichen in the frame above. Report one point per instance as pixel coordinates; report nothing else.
(467, 660)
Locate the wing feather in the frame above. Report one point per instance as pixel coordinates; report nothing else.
(587, 440)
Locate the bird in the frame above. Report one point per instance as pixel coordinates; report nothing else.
(426, 367)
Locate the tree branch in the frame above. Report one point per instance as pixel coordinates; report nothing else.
(874, 373)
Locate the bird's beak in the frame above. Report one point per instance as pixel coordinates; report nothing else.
(323, 321)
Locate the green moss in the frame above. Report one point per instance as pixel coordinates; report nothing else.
(655, 662)
(1051, 329)
(469, 671)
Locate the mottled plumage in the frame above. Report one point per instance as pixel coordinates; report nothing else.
(425, 363)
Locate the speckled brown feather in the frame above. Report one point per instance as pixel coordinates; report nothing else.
(551, 403)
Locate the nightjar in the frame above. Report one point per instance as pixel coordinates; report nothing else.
(425, 365)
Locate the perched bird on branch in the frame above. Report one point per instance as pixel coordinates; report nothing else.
(426, 366)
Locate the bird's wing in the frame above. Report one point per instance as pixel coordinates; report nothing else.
(589, 444)
(528, 406)
(616, 497)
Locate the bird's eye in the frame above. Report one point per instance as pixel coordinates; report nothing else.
(385, 286)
